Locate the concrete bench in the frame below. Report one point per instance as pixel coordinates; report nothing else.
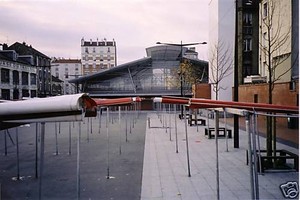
(208, 132)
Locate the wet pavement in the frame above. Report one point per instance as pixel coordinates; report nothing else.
(137, 159)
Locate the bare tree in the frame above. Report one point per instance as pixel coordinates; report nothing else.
(276, 50)
(220, 65)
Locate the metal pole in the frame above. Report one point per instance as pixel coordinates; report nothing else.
(41, 158)
(56, 142)
(99, 120)
(5, 142)
(120, 146)
(18, 163)
(187, 144)
(87, 131)
(250, 155)
(78, 160)
(126, 122)
(175, 118)
(70, 138)
(226, 134)
(217, 153)
(170, 122)
(36, 150)
(256, 188)
(107, 136)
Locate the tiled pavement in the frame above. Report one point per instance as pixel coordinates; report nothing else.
(165, 172)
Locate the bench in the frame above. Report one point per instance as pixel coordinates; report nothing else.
(280, 158)
(193, 121)
(184, 116)
(208, 132)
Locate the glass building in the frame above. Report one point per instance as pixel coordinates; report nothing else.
(158, 74)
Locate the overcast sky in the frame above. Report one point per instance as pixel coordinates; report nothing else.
(55, 27)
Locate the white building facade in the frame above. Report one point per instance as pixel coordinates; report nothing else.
(221, 43)
(98, 55)
(65, 70)
(279, 39)
(18, 76)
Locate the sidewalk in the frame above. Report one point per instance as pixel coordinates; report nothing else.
(165, 172)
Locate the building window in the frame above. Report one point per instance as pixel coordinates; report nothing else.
(32, 79)
(5, 94)
(248, 18)
(86, 50)
(24, 78)
(255, 98)
(56, 69)
(108, 49)
(265, 9)
(248, 44)
(15, 77)
(4, 75)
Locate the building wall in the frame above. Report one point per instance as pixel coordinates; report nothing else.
(98, 55)
(282, 95)
(280, 14)
(221, 32)
(65, 70)
(15, 87)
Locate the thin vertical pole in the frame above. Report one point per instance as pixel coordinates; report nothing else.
(78, 159)
(99, 120)
(170, 127)
(176, 138)
(87, 131)
(41, 158)
(56, 142)
(217, 153)
(59, 127)
(36, 149)
(70, 138)
(256, 188)
(91, 125)
(107, 136)
(18, 160)
(5, 142)
(126, 121)
(120, 146)
(250, 156)
(226, 134)
(187, 144)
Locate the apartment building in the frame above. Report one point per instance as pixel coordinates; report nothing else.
(98, 55)
(40, 61)
(65, 70)
(279, 39)
(18, 75)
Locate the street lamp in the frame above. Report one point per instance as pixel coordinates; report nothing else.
(181, 45)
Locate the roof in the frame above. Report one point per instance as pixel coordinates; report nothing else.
(66, 60)
(24, 49)
(113, 72)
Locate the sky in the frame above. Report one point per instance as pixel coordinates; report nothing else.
(56, 27)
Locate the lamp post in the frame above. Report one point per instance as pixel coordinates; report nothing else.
(181, 45)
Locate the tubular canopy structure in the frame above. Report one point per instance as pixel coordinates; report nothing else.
(50, 109)
(208, 103)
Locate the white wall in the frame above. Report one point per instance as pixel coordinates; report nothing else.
(221, 29)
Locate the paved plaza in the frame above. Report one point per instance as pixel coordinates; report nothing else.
(139, 158)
